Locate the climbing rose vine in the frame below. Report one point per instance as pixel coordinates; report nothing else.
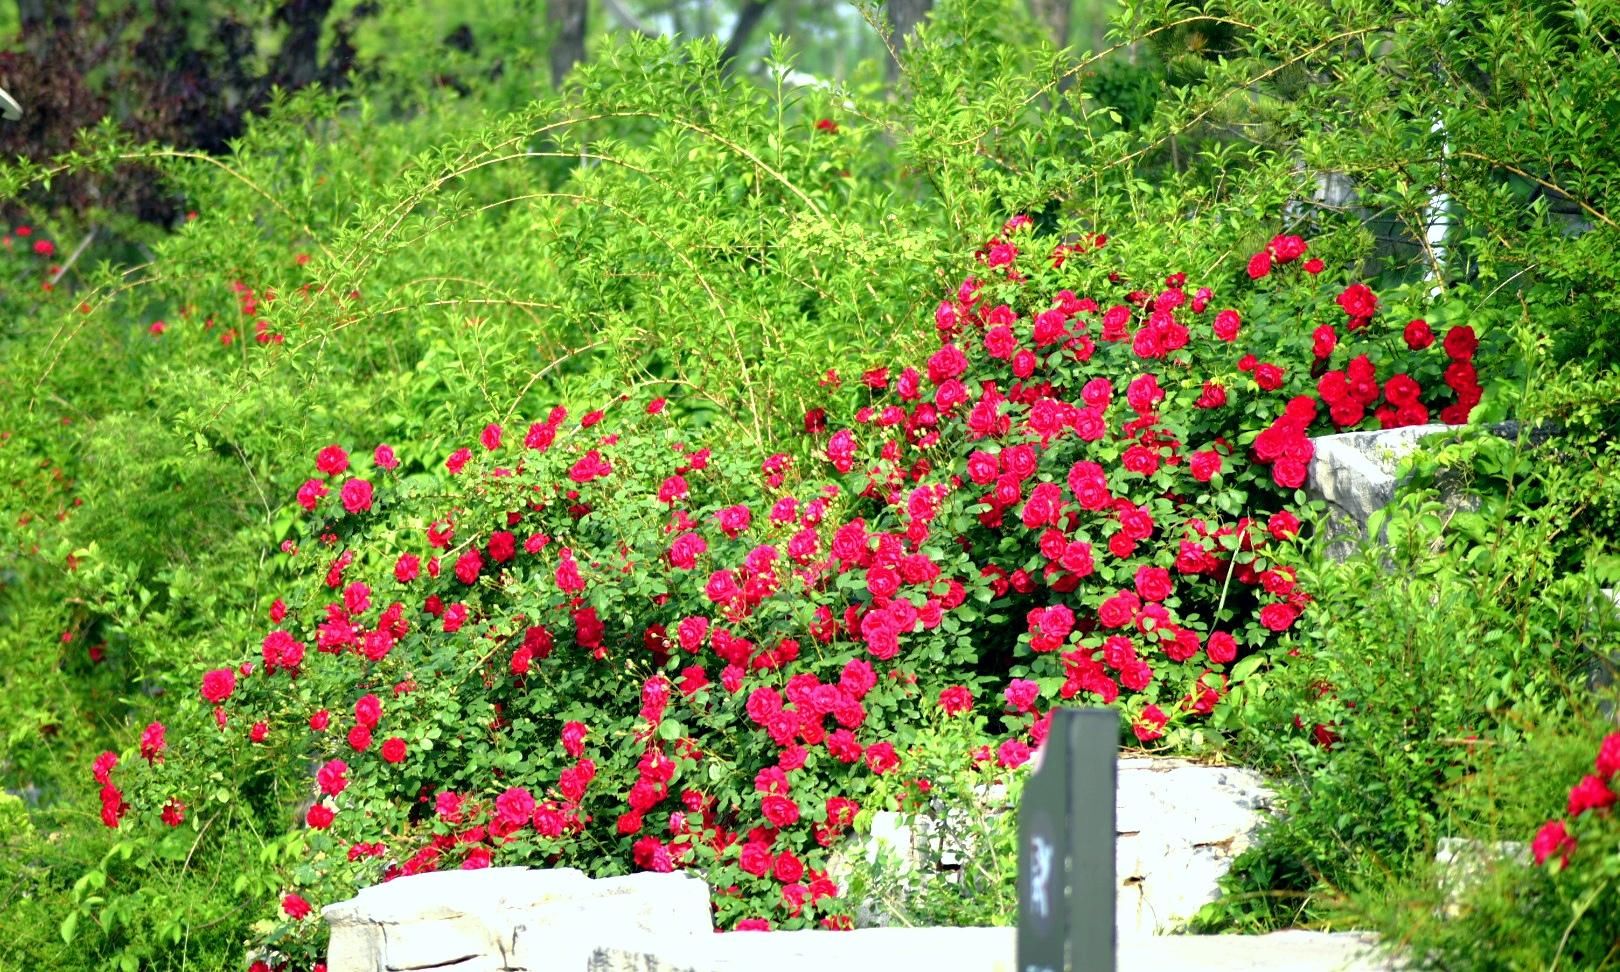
(599, 641)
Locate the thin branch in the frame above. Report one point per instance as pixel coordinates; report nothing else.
(74, 257)
(618, 11)
(747, 19)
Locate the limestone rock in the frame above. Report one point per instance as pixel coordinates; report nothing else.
(508, 919)
(990, 950)
(1462, 863)
(1180, 825)
(1354, 473)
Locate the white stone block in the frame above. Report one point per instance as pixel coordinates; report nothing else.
(509, 919)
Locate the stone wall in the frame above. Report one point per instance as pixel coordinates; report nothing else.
(510, 919)
(1180, 825)
(517, 920)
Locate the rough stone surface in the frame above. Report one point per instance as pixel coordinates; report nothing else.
(1354, 472)
(1462, 863)
(508, 919)
(1604, 673)
(1179, 826)
(989, 950)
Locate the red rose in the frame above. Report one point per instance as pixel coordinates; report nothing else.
(1591, 793)
(1460, 343)
(1259, 265)
(1418, 335)
(1012, 753)
(787, 868)
(102, 768)
(332, 460)
(881, 757)
(218, 685)
(756, 859)
(779, 810)
(295, 906)
(356, 496)
(1118, 610)
(1608, 757)
(1153, 583)
(1282, 525)
(1151, 725)
(956, 700)
(1205, 465)
(1552, 838)
(1278, 617)
(573, 738)
(393, 750)
(319, 816)
(368, 711)
(152, 743)
(332, 777)
(515, 807)
(1021, 694)
(1358, 301)
(1287, 248)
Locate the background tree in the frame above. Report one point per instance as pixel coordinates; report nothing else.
(567, 18)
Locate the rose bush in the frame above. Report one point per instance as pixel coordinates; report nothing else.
(1587, 812)
(598, 642)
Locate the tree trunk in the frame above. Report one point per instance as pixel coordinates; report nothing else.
(567, 18)
(30, 15)
(298, 63)
(905, 15)
(1054, 16)
(747, 19)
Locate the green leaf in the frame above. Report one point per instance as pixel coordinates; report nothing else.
(1247, 666)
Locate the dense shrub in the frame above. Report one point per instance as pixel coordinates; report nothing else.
(594, 642)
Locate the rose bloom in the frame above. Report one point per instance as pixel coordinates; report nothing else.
(332, 460)
(956, 700)
(1021, 694)
(393, 750)
(218, 685)
(1591, 793)
(295, 906)
(356, 496)
(1418, 335)
(1552, 838)
(1012, 753)
(1608, 757)
(332, 777)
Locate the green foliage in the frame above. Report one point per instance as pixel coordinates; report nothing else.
(962, 869)
(77, 895)
(435, 250)
(1444, 670)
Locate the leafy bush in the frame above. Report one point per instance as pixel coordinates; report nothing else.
(525, 642)
(1442, 675)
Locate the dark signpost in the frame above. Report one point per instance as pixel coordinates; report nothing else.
(1066, 847)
